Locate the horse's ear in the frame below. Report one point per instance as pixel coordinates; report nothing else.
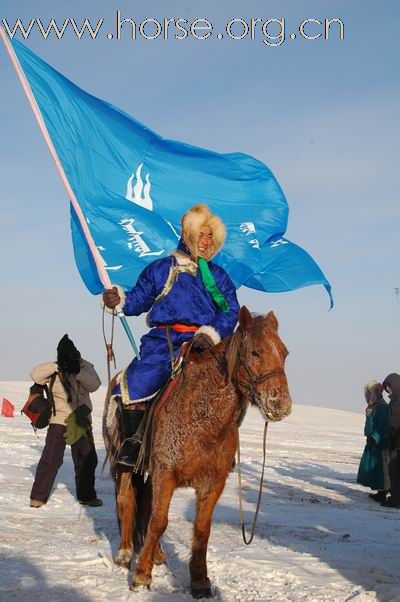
(245, 318)
(272, 321)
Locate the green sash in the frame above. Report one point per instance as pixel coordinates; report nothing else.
(209, 283)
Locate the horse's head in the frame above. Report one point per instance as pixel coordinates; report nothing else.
(256, 362)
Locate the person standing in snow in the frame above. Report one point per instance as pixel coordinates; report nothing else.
(187, 296)
(391, 384)
(373, 471)
(74, 379)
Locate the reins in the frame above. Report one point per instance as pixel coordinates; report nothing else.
(109, 346)
(242, 523)
(252, 381)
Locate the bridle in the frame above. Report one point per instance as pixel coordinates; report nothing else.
(254, 379)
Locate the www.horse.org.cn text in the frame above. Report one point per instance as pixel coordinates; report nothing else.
(270, 32)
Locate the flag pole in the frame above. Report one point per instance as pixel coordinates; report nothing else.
(103, 275)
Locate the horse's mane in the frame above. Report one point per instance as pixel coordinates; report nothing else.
(233, 352)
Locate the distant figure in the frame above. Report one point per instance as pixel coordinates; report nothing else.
(75, 378)
(373, 471)
(391, 384)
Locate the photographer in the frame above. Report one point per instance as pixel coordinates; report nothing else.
(71, 424)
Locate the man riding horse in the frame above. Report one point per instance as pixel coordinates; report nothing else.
(186, 296)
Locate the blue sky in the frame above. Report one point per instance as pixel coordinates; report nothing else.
(322, 114)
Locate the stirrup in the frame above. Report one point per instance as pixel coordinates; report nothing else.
(126, 461)
(129, 458)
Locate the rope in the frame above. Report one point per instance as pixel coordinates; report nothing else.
(109, 346)
(170, 347)
(242, 523)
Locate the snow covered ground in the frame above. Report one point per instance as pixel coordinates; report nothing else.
(319, 536)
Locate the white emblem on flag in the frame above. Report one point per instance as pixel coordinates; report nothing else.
(135, 240)
(278, 243)
(173, 230)
(139, 193)
(249, 228)
(108, 267)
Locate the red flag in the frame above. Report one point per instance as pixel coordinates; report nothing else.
(7, 408)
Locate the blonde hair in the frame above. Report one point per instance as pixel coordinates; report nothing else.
(373, 393)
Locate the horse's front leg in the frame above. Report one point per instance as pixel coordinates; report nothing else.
(205, 504)
(126, 511)
(163, 485)
(142, 522)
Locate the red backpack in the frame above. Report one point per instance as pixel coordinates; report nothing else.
(40, 404)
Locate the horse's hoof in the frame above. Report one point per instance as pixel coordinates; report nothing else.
(140, 581)
(159, 556)
(201, 592)
(136, 587)
(123, 558)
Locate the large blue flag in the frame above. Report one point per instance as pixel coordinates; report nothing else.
(133, 186)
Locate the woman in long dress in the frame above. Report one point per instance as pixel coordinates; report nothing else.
(373, 471)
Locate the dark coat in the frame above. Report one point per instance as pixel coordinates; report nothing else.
(371, 471)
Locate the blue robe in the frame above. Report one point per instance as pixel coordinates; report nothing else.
(184, 300)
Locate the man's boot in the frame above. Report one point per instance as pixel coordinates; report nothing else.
(130, 421)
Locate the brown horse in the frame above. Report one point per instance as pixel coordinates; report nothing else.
(195, 436)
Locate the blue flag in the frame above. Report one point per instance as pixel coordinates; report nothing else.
(133, 186)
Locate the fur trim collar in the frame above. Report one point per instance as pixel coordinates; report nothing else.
(182, 259)
(209, 331)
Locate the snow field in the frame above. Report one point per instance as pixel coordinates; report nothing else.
(319, 537)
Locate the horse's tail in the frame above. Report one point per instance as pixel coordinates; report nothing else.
(111, 429)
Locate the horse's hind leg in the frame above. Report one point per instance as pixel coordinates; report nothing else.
(163, 488)
(126, 511)
(205, 504)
